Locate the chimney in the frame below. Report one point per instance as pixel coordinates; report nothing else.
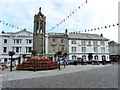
(101, 35)
(66, 31)
(3, 32)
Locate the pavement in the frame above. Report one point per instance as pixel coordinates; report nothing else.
(16, 74)
(71, 72)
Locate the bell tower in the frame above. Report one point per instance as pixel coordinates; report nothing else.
(39, 33)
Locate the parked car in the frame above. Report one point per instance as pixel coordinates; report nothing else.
(93, 62)
(3, 65)
(70, 62)
(61, 62)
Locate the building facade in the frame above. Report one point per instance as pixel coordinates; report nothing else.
(114, 50)
(57, 42)
(76, 45)
(20, 42)
(82, 45)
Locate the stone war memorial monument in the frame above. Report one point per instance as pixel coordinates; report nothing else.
(39, 34)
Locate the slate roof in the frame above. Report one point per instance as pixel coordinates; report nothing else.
(86, 36)
(19, 32)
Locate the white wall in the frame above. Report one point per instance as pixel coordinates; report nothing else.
(89, 49)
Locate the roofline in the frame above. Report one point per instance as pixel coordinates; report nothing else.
(87, 39)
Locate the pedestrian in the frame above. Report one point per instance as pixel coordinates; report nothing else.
(102, 61)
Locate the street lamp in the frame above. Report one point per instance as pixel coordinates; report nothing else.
(11, 53)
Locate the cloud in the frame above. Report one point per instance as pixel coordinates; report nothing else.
(95, 13)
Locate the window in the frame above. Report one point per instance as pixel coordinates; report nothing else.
(5, 40)
(89, 43)
(61, 40)
(53, 48)
(96, 57)
(29, 41)
(4, 49)
(26, 50)
(83, 42)
(95, 49)
(83, 49)
(102, 43)
(14, 40)
(62, 48)
(95, 43)
(17, 49)
(73, 49)
(84, 57)
(29, 49)
(103, 49)
(13, 48)
(18, 41)
(53, 40)
(73, 42)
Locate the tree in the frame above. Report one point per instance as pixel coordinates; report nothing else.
(34, 52)
(11, 53)
(65, 55)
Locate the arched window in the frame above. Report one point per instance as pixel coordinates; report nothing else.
(84, 57)
(96, 57)
(103, 57)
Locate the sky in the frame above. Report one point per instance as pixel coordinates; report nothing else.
(93, 14)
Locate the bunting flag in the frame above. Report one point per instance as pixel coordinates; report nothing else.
(13, 26)
(109, 26)
(73, 12)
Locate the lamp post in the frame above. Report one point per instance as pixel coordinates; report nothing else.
(59, 63)
(11, 53)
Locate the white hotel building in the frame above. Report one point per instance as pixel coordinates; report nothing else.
(20, 42)
(82, 44)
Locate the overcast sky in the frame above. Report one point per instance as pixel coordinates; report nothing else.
(93, 14)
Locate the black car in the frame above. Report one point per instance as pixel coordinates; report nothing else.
(93, 62)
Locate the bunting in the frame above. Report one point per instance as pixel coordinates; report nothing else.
(13, 26)
(104, 27)
(73, 12)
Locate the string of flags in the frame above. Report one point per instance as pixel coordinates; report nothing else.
(10, 25)
(93, 29)
(73, 12)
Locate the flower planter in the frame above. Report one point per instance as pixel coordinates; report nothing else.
(37, 64)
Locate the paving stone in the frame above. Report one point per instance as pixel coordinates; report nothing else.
(104, 77)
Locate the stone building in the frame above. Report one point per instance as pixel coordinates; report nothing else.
(57, 42)
(114, 49)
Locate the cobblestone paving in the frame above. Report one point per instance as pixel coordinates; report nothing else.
(105, 77)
